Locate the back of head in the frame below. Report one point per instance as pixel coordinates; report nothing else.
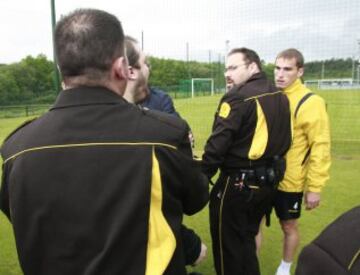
(87, 41)
(250, 56)
(292, 54)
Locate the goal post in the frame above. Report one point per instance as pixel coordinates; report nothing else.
(194, 80)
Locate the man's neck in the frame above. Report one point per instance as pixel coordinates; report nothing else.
(293, 86)
(71, 83)
(129, 93)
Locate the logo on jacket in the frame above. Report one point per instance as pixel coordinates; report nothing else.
(224, 110)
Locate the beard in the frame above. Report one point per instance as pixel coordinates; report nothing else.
(229, 86)
(142, 89)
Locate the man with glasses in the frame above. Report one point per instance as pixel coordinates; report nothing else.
(251, 133)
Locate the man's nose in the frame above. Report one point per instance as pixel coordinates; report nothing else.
(280, 73)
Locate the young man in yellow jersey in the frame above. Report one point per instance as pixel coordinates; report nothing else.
(308, 160)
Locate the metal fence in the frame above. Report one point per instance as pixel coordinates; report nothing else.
(22, 110)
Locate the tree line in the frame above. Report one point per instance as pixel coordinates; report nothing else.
(31, 81)
(27, 81)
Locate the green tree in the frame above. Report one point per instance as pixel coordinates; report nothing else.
(269, 71)
(40, 74)
(9, 89)
(26, 81)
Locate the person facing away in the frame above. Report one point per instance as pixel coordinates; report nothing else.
(336, 251)
(251, 133)
(308, 160)
(95, 185)
(136, 90)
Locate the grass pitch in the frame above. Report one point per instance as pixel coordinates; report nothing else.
(340, 194)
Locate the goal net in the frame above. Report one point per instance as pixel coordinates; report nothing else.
(202, 86)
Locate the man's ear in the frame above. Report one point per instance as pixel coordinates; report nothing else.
(119, 69)
(300, 72)
(132, 73)
(253, 68)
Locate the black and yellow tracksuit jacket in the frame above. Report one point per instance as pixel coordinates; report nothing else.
(99, 186)
(336, 251)
(308, 160)
(252, 125)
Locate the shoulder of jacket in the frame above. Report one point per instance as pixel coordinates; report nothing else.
(309, 103)
(25, 123)
(159, 92)
(310, 99)
(166, 119)
(250, 91)
(234, 95)
(165, 98)
(317, 98)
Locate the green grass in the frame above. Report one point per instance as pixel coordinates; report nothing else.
(340, 194)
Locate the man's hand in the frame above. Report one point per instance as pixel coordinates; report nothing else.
(312, 200)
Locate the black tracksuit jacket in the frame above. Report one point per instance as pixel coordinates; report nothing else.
(99, 186)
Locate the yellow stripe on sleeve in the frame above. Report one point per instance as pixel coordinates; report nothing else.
(161, 240)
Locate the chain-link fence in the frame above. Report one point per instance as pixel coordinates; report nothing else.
(189, 40)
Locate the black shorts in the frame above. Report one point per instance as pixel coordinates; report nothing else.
(288, 205)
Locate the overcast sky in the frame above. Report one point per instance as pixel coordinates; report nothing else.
(321, 29)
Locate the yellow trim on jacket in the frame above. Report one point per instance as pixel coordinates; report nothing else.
(261, 135)
(311, 132)
(89, 144)
(161, 239)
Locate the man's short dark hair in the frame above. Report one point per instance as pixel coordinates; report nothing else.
(131, 52)
(87, 41)
(250, 56)
(293, 53)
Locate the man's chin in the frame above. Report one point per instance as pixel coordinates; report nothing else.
(229, 87)
(280, 86)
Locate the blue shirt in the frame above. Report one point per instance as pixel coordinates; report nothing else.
(160, 101)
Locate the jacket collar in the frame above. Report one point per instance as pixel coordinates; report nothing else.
(87, 96)
(257, 76)
(296, 86)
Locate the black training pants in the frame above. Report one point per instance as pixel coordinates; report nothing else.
(235, 216)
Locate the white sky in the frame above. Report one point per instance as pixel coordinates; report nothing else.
(319, 28)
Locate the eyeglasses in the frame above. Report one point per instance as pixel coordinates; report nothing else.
(234, 67)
